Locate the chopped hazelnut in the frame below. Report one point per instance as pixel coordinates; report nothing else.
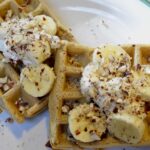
(9, 120)
(6, 87)
(77, 132)
(65, 109)
(138, 67)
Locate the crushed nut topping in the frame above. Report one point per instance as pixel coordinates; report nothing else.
(65, 109)
(6, 84)
(69, 105)
(22, 105)
(108, 81)
(138, 67)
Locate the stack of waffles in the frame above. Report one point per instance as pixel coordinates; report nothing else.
(9, 99)
(71, 58)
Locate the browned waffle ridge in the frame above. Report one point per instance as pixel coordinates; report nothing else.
(70, 60)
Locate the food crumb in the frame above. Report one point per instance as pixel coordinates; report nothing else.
(138, 67)
(104, 24)
(2, 125)
(9, 120)
(48, 144)
(65, 109)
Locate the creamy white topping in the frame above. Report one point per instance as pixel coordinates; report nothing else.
(107, 81)
(29, 39)
(38, 80)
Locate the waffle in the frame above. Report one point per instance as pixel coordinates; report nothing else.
(23, 8)
(35, 105)
(70, 60)
(7, 71)
(8, 100)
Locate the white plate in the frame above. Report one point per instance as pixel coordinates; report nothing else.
(93, 22)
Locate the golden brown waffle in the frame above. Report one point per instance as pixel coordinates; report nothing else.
(7, 71)
(9, 99)
(22, 8)
(70, 60)
(35, 105)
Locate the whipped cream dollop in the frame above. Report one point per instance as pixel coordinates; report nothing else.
(107, 81)
(29, 39)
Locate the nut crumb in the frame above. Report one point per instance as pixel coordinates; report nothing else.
(65, 109)
(9, 120)
(48, 144)
(77, 132)
(138, 67)
(104, 24)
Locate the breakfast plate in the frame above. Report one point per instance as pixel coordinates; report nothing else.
(92, 22)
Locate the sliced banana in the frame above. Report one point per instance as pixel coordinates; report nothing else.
(37, 81)
(45, 22)
(111, 53)
(37, 52)
(86, 123)
(136, 108)
(128, 128)
(141, 84)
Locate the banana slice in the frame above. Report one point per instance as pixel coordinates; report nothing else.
(109, 53)
(127, 128)
(37, 81)
(86, 123)
(141, 84)
(45, 22)
(37, 52)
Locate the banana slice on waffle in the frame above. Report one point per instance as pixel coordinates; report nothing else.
(45, 22)
(128, 128)
(109, 54)
(141, 84)
(37, 81)
(86, 123)
(38, 52)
